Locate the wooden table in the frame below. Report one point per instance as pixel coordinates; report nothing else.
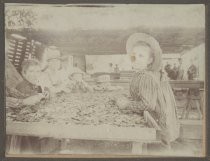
(175, 84)
(191, 99)
(139, 137)
(187, 84)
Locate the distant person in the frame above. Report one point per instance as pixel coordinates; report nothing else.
(111, 69)
(168, 70)
(192, 71)
(167, 67)
(116, 69)
(57, 74)
(180, 71)
(175, 72)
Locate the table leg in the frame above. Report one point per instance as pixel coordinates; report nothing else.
(198, 108)
(185, 109)
(65, 146)
(188, 109)
(144, 148)
(48, 145)
(202, 103)
(137, 148)
(15, 145)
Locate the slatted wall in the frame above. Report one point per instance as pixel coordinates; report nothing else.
(21, 49)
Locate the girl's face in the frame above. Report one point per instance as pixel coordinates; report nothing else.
(141, 57)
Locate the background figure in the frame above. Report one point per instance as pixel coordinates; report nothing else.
(111, 69)
(180, 71)
(174, 72)
(116, 69)
(192, 71)
(168, 69)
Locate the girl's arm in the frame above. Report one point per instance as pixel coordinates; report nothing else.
(127, 105)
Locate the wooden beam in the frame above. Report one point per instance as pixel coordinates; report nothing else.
(86, 132)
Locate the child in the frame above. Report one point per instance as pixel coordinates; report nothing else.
(34, 81)
(23, 95)
(77, 77)
(149, 87)
(57, 75)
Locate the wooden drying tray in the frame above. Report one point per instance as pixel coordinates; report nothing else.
(137, 135)
(174, 83)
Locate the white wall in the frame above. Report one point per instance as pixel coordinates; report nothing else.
(100, 63)
(197, 55)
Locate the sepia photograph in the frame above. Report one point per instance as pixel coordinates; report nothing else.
(105, 80)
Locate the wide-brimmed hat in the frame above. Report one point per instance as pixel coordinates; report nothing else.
(151, 42)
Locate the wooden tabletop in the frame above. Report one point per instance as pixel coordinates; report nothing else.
(86, 132)
(187, 83)
(173, 83)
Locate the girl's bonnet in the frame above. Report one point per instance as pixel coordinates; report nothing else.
(152, 43)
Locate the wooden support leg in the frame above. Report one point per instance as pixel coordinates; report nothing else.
(198, 108)
(27, 144)
(137, 148)
(15, 145)
(188, 109)
(185, 109)
(65, 148)
(64, 144)
(49, 145)
(202, 104)
(144, 148)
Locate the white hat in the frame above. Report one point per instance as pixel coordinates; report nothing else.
(151, 42)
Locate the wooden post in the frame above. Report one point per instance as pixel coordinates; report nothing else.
(144, 148)
(15, 145)
(49, 145)
(137, 148)
(198, 106)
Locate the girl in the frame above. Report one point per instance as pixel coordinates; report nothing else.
(149, 87)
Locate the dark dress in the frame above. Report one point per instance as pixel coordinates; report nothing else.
(153, 91)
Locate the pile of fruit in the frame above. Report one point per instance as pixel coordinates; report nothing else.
(92, 108)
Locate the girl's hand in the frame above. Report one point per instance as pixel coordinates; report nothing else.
(32, 100)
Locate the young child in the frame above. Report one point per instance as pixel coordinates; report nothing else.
(77, 77)
(34, 81)
(58, 76)
(25, 94)
(149, 87)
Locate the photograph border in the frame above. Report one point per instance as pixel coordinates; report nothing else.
(97, 157)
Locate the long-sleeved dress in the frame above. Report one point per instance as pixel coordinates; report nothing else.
(153, 91)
